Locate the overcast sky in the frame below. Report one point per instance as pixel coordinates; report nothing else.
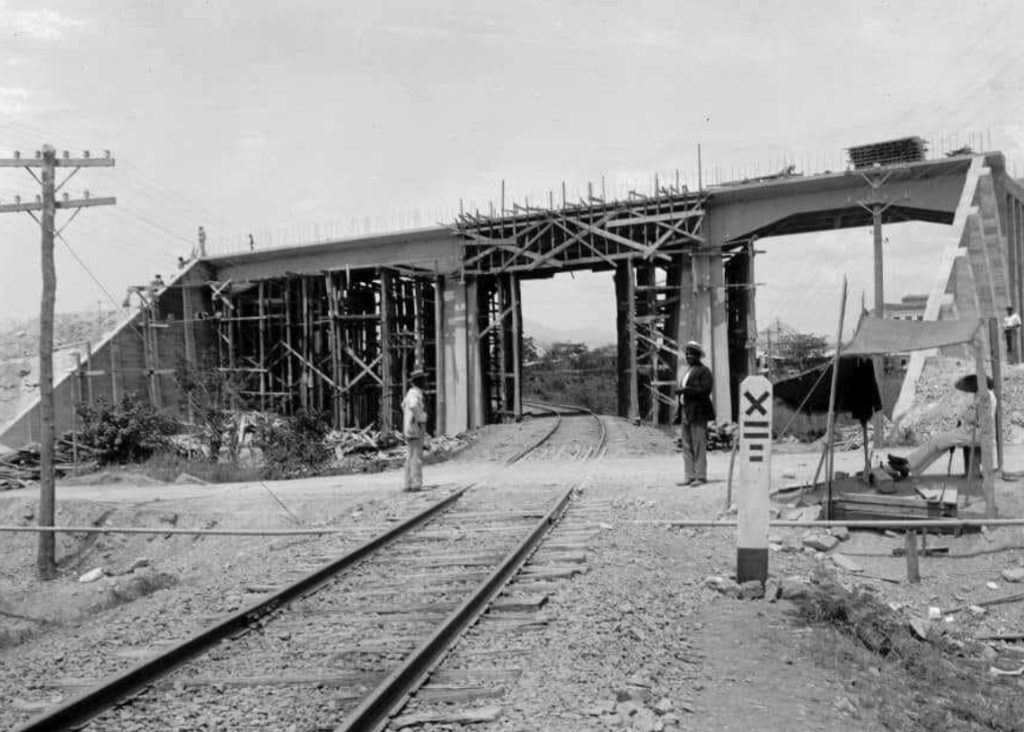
(306, 119)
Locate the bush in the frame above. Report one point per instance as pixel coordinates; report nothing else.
(210, 394)
(293, 446)
(126, 432)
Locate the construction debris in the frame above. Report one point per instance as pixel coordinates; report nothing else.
(20, 468)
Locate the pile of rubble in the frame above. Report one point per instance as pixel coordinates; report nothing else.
(937, 404)
(367, 449)
(20, 468)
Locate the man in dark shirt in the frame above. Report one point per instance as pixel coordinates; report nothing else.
(694, 390)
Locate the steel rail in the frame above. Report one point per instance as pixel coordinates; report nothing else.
(375, 710)
(573, 408)
(79, 710)
(523, 453)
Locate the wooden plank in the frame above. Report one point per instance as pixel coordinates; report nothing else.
(634, 388)
(517, 345)
(385, 417)
(261, 334)
(476, 715)
(447, 694)
(935, 296)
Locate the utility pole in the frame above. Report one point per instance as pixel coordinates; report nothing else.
(876, 204)
(47, 204)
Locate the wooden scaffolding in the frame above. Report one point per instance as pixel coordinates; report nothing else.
(648, 241)
(341, 343)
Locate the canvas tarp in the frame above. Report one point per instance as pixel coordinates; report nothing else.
(875, 336)
(856, 389)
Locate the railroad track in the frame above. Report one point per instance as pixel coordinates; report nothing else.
(348, 644)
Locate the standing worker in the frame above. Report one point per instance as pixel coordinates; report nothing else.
(1011, 324)
(414, 427)
(695, 405)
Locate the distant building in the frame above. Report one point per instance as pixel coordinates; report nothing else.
(912, 307)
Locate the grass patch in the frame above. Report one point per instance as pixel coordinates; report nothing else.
(910, 684)
(167, 467)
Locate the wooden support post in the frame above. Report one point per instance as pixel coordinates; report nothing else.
(994, 342)
(499, 303)
(115, 362)
(304, 346)
(517, 350)
(289, 359)
(634, 385)
(188, 317)
(333, 347)
(622, 339)
(261, 326)
(987, 428)
(386, 363)
(913, 571)
(831, 435)
(88, 374)
(440, 373)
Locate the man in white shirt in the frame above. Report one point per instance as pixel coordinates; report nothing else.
(1011, 324)
(414, 427)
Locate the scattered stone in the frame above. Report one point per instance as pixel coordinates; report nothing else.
(751, 590)
(821, 542)
(846, 564)
(992, 585)
(604, 706)
(92, 575)
(723, 585)
(169, 518)
(976, 610)
(627, 694)
(988, 653)
(663, 707)
(843, 704)
(24, 705)
(793, 588)
(772, 590)
(840, 532)
(1013, 575)
(791, 544)
(919, 628)
(138, 564)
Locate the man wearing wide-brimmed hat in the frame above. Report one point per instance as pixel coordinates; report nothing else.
(696, 410)
(414, 426)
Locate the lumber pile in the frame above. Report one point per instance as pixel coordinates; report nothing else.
(867, 506)
(372, 446)
(19, 468)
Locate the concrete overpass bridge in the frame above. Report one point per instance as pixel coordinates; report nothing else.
(337, 326)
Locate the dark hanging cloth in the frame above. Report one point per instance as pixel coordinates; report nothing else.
(856, 391)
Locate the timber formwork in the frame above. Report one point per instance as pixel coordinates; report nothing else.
(341, 343)
(651, 243)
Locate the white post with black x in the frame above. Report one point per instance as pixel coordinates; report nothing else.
(755, 479)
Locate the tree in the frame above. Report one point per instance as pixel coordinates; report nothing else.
(800, 351)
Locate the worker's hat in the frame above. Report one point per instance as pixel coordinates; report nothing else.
(694, 347)
(418, 374)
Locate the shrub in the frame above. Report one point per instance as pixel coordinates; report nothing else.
(210, 394)
(128, 431)
(293, 446)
